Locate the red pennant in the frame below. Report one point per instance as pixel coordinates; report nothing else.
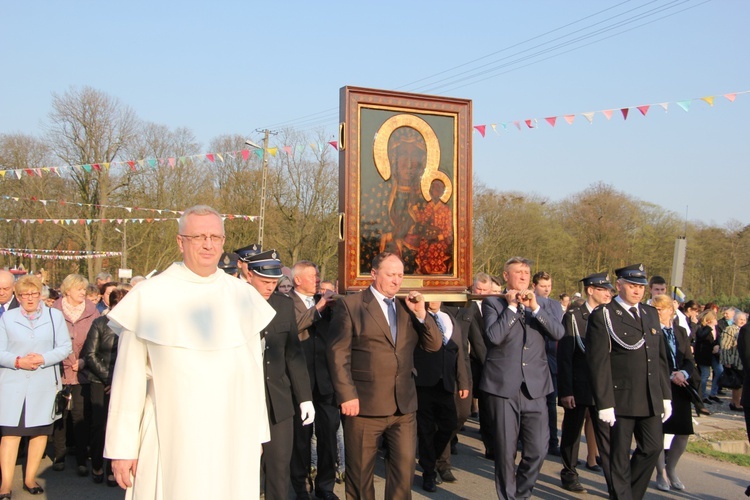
(172, 162)
(245, 154)
(481, 129)
(569, 119)
(551, 120)
(529, 124)
(132, 165)
(643, 109)
(30, 172)
(625, 113)
(335, 144)
(210, 157)
(97, 167)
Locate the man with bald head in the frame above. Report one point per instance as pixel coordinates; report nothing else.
(7, 298)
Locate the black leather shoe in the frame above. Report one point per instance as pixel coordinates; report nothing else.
(595, 467)
(707, 401)
(447, 476)
(326, 495)
(428, 484)
(735, 408)
(715, 399)
(702, 411)
(574, 486)
(5, 495)
(97, 478)
(36, 490)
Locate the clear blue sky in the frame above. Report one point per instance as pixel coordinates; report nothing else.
(225, 67)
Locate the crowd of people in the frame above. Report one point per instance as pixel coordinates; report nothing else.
(290, 377)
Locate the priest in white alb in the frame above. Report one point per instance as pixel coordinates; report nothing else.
(188, 413)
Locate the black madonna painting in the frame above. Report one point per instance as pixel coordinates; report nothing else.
(405, 187)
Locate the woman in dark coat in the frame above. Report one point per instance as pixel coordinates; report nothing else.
(681, 364)
(99, 353)
(707, 355)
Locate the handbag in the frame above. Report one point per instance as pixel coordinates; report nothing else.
(731, 378)
(64, 397)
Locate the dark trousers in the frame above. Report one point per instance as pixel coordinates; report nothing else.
(327, 420)
(277, 454)
(526, 417)
(486, 427)
(552, 413)
(361, 438)
(570, 440)
(99, 412)
(436, 424)
(631, 475)
(463, 410)
(79, 417)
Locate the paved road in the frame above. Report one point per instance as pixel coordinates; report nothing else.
(704, 478)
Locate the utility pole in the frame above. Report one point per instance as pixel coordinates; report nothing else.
(264, 162)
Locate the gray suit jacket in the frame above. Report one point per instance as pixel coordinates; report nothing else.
(509, 361)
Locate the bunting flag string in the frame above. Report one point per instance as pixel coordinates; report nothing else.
(60, 255)
(608, 113)
(219, 157)
(159, 211)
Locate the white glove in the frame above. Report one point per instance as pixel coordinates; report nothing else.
(607, 415)
(307, 412)
(667, 410)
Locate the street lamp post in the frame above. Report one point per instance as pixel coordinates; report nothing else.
(124, 254)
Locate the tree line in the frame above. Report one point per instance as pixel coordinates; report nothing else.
(597, 229)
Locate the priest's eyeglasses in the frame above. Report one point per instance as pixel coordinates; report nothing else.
(198, 239)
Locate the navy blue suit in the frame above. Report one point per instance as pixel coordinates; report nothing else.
(517, 380)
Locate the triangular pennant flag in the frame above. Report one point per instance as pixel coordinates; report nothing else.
(709, 100)
(481, 129)
(643, 109)
(245, 154)
(665, 106)
(210, 157)
(152, 162)
(172, 161)
(97, 167)
(29, 172)
(589, 116)
(569, 119)
(273, 151)
(607, 113)
(132, 165)
(625, 113)
(106, 166)
(551, 120)
(730, 97)
(87, 168)
(504, 125)
(18, 173)
(334, 144)
(221, 158)
(684, 105)
(259, 153)
(288, 150)
(529, 123)
(494, 127)
(517, 124)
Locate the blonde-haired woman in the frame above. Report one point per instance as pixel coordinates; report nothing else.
(33, 340)
(707, 355)
(79, 313)
(681, 365)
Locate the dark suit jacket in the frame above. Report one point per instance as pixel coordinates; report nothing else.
(283, 361)
(449, 363)
(471, 322)
(13, 303)
(572, 367)
(509, 361)
(313, 335)
(743, 345)
(364, 362)
(684, 358)
(704, 344)
(633, 382)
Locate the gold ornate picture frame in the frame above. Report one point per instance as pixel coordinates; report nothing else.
(405, 187)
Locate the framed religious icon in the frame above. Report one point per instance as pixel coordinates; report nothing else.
(405, 187)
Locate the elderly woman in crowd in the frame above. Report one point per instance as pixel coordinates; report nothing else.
(99, 353)
(79, 314)
(681, 364)
(33, 340)
(707, 354)
(730, 355)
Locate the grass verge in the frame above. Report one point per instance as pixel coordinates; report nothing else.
(701, 445)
